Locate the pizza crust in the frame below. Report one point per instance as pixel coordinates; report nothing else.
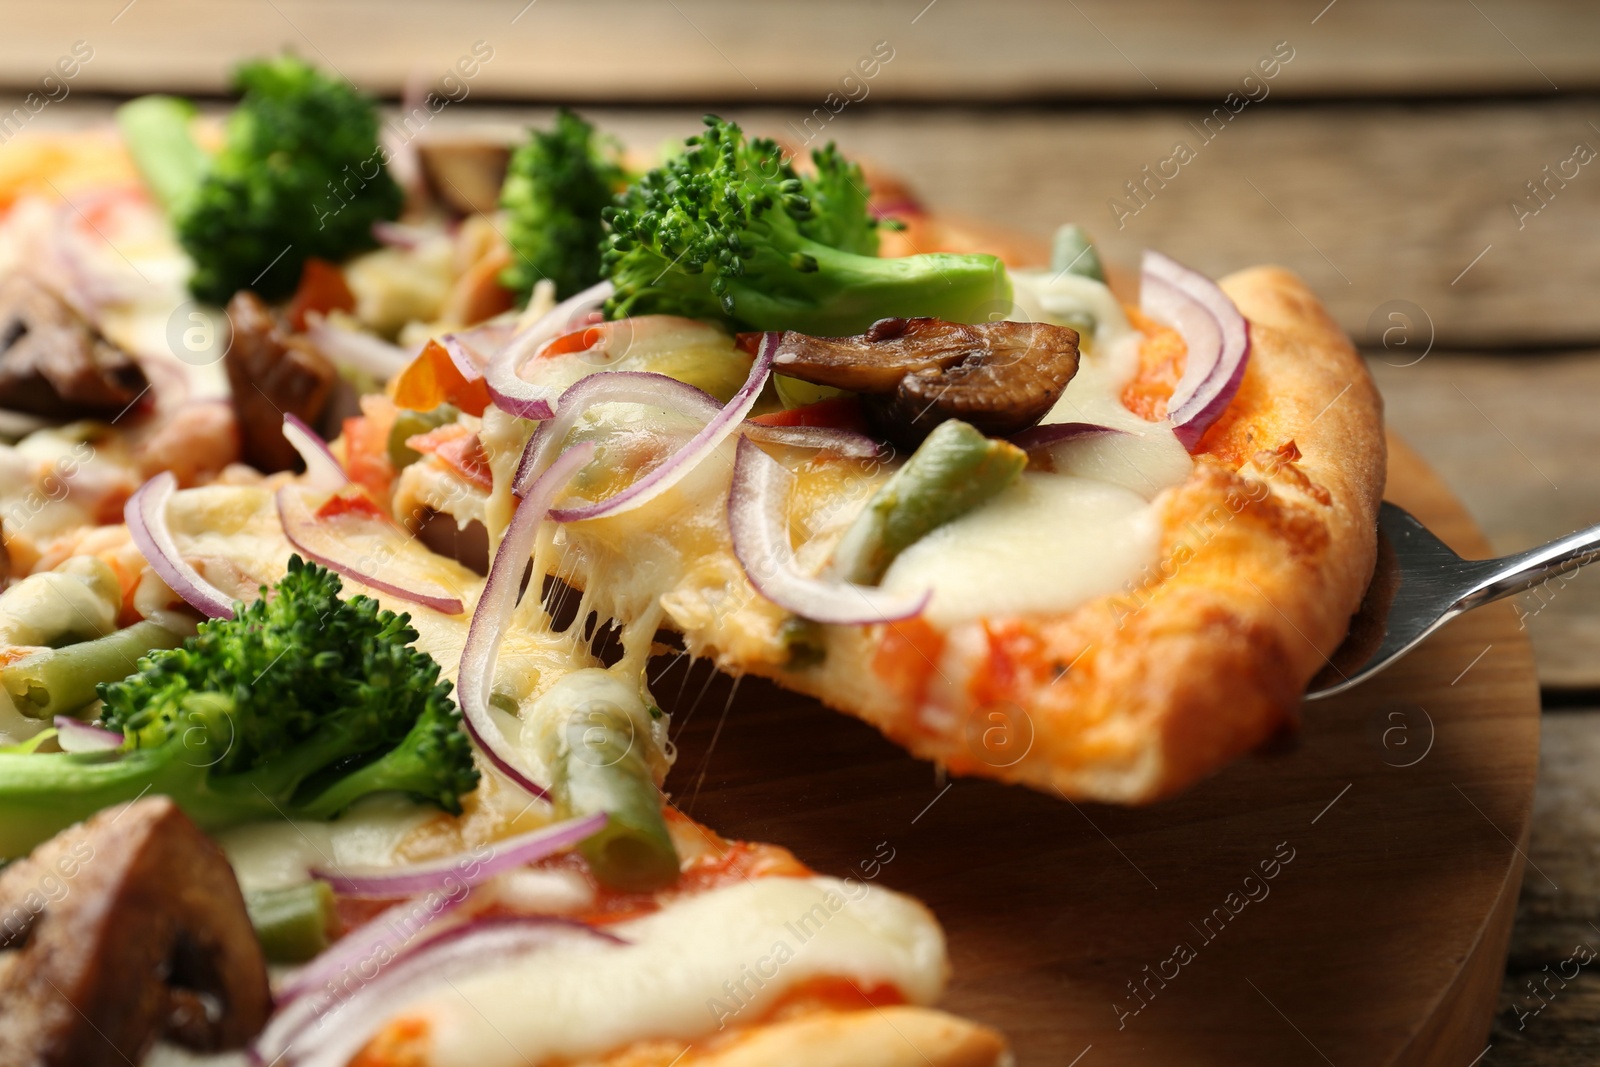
(886, 1037)
(895, 1036)
(1266, 552)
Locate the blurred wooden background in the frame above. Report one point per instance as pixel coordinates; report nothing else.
(1431, 167)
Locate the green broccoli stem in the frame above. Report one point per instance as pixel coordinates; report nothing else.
(156, 131)
(411, 767)
(43, 793)
(844, 293)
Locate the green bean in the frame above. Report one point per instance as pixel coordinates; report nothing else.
(953, 471)
(803, 642)
(408, 424)
(601, 766)
(1073, 253)
(62, 680)
(293, 923)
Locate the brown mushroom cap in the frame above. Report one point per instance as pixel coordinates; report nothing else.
(122, 929)
(1002, 377)
(54, 363)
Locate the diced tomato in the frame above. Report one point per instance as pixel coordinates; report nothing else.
(1162, 355)
(403, 1042)
(906, 658)
(576, 341)
(836, 413)
(712, 870)
(322, 289)
(366, 451)
(467, 458)
(350, 502)
(433, 378)
(459, 449)
(358, 911)
(430, 442)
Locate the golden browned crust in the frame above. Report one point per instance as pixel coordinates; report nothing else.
(1267, 549)
(882, 1037)
(897, 1036)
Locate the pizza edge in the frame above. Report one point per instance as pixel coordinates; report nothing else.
(1266, 552)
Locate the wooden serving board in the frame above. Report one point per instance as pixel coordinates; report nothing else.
(1404, 805)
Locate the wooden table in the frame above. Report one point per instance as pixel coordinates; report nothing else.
(1388, 164)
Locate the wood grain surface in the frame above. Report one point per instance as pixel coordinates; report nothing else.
(1381, 941)
(1550, 998)
(1379, 208)
(731, 50)
(1516, 438)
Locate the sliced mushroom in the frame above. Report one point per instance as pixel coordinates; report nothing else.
(53, 363)
(272, 373)
(913, 374)
(465, 172)
(121, 930)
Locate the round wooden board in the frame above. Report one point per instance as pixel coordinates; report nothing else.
(1404, 805)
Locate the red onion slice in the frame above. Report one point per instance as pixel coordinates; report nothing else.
(501, 591)
(329, 1031)
(355, 348)
(658, 390)
(509, 390)
(1216, 334)
(323, 471)
(1057, 432)
(75, 735)
(387, 933)
(758, 520)
(472, 350)
(468, 869)
(146, 516)
(607, 388)
(822, 438)
(318, 540)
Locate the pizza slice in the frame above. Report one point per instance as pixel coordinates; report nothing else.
(1087, 547)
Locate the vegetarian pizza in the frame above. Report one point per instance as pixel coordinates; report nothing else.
(344, 512)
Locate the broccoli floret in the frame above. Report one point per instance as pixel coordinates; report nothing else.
(557, 185)
(730, 231)
(301, 175)
(297, 707)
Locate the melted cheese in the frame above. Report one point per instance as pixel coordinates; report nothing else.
(1048, 541)
(270, 855)
(724, 957)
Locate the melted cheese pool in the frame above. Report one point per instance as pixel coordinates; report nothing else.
(1048, 541)
(721, 958)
